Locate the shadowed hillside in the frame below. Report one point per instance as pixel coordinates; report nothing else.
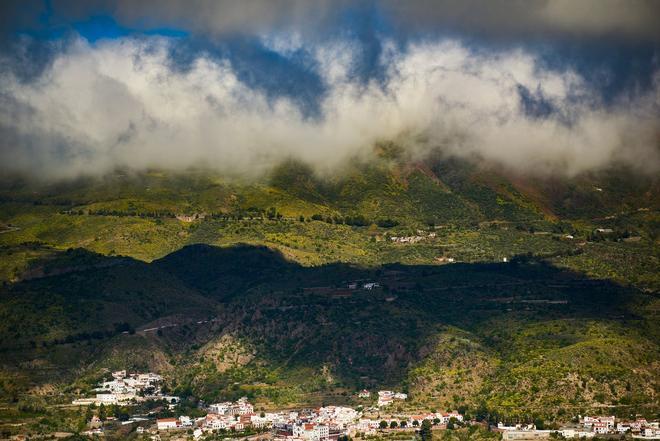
(244, 320)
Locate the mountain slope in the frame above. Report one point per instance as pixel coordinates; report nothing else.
(479, 336)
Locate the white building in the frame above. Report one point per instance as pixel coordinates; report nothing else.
(311, 431)
(609, 420)
(241, 407)
(512, 435)
(449, 415)
(622, 427)
(589, 421)
(651, 432)
(337, 415)
(219, 408)
(600, 428)
(167, 423)
(576, 433)
(385, 397)
(216, 424)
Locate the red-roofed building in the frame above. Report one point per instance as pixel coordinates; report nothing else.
(167, 423)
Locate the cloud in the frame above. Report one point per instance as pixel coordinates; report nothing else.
(122, 103)
(634, 19)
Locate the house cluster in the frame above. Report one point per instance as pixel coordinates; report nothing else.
(183, 422)
(234, 416)
(320, 424)
(330, 422)
(406, 239)
(599, 425)
(314, 424)
(365, 285)
(126, 388)
(421, 235)
(530, 432)
(306, 425)
(387, 397)
(325, 423)
(230, 416)
(437, 417)
(608, 425)
(589, 428)
(190, 217)
(370, 427)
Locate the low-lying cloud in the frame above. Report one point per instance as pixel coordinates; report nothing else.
(122, 103)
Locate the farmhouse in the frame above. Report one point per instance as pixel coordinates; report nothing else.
(364, 394)
(167, 423)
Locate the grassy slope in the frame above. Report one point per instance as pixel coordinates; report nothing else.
(445, 359)
(481, 215)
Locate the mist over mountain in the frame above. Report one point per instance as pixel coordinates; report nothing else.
(123, 92)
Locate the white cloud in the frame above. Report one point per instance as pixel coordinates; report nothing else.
(118, 103)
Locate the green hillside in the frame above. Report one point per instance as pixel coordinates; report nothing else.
(236, 288)
(475, 214)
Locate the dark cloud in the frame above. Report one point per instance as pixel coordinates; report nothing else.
(632, 19)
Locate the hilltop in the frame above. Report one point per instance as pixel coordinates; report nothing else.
(475, 214)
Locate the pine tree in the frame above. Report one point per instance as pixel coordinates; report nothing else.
(425, 433)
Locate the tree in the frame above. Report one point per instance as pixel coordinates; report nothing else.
(383, 424)
(82, 423)
(103, 414)
(89, 413)
(425, 433)
(387, 223)
(393, 424)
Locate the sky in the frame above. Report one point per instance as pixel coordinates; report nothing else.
(558, 87)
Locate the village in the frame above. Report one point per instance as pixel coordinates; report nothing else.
(128, 388)
(587, 427)
(239, 419)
